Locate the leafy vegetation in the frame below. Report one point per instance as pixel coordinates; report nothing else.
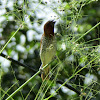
(77, 31)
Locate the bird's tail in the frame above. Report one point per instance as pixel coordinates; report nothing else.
(45, 73)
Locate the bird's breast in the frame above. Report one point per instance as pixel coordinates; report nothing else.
(48, 50)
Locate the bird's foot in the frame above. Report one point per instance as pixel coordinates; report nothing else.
(41, 69)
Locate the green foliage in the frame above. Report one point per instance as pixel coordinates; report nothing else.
(77, 62)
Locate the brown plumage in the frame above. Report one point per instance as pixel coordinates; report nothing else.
(47, 47)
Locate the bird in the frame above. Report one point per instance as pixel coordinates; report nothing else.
(47, 48)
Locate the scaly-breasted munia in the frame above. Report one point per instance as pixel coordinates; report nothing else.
(47, 47)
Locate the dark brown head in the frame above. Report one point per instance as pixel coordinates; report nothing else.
(49, 28)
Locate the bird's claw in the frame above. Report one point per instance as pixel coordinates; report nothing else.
(41, 69)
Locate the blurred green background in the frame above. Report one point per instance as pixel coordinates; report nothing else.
(73, 19)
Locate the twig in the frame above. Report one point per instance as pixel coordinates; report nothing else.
(71, 88)
(17, 62)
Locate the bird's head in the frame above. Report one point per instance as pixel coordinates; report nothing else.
(49, 28)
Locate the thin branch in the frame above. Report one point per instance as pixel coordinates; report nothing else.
(71, 88)
(17, 62)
